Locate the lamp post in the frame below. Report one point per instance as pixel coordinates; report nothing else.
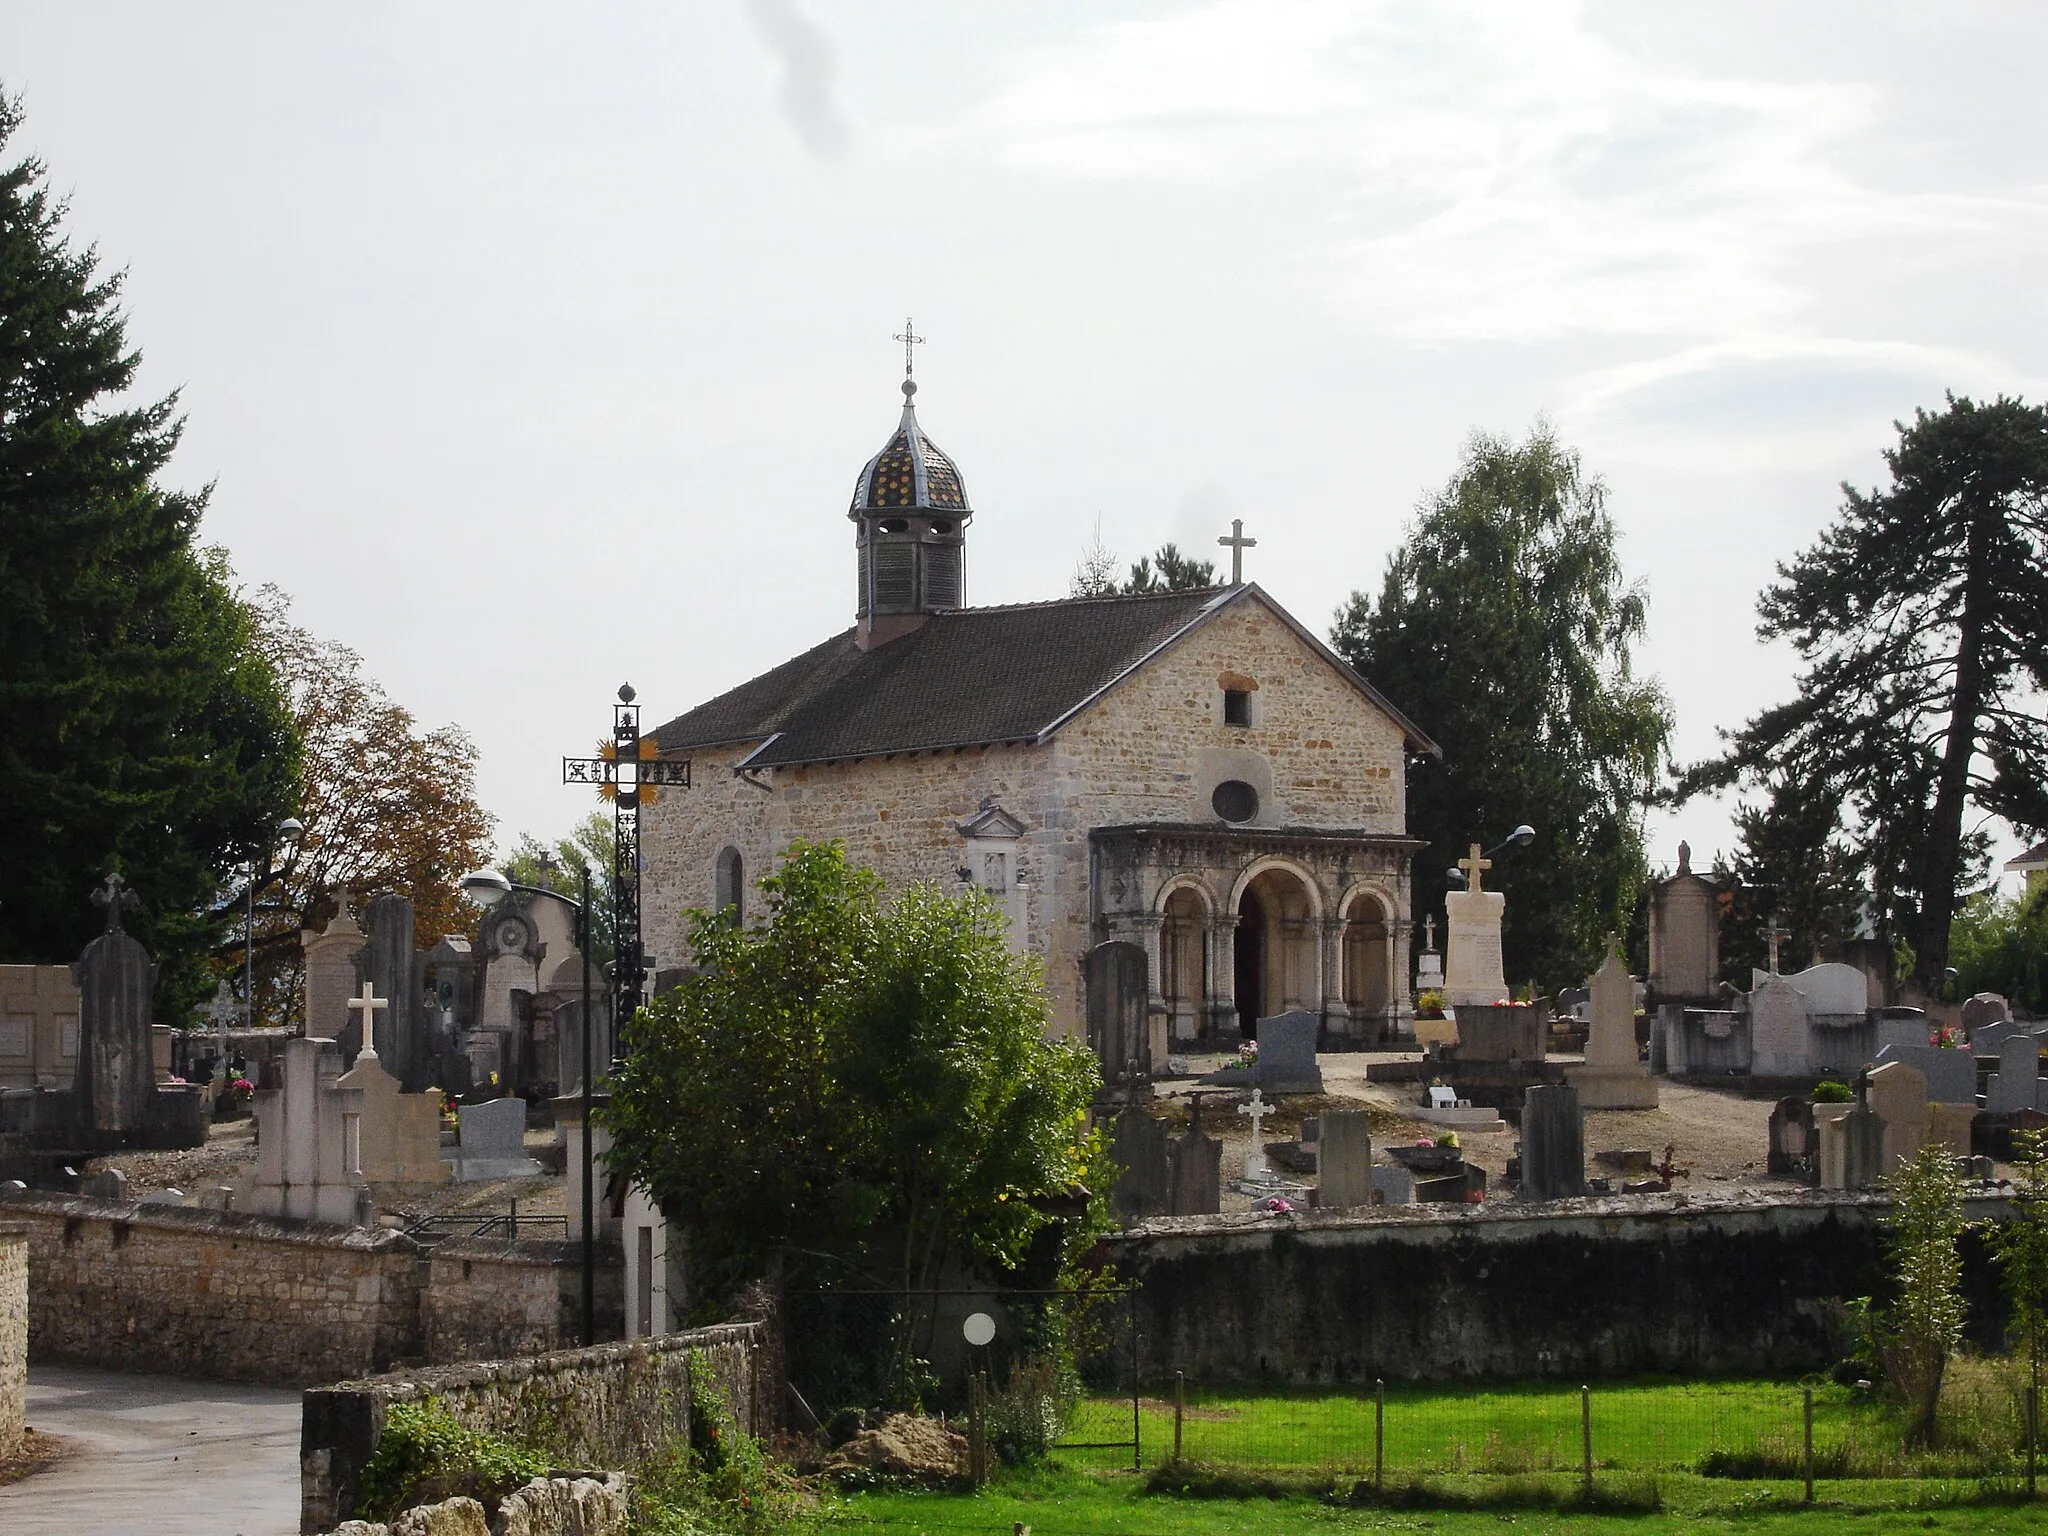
(1520, 837)
(289, 831)
(487, 887)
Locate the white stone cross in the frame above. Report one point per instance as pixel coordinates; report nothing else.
(1429, 934)
(1255, 1160)
(368, 1006)
(1472, 868)
(1775, 934)
(1237, 544)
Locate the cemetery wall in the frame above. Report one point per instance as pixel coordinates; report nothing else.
(487, 1301)
(1585, 1288)
(602, 1407)
(13, 1334)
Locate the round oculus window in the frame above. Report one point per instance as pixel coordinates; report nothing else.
(1235, 800)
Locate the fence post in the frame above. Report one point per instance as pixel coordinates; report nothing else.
(1379, 1433)
(2033, 1433)
(1586, 1433)
(976, 1437)
(1180, 1392)
(1137, 1434)
(1809, 1445)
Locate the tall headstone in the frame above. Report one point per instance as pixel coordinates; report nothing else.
(1984, 1009)
(1553, 1144)
(1195, 1172)
(1344, 1160)
(493, 1141)
(1287, 1053)
(1792, 1139)
(1472, 955)
(1139, 1147)
(1951, 1073)
(1898, 1095)
(1685, 935)
(1118, 983)
(309, 1143)
(401, 1132)
(1780, 1038)
(2016, 1085)
(114, 1085)
(331, 975)
(1614, 1076)
(392, 964)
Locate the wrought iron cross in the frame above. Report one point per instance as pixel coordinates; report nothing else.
(115, 896)
(627, 771)
(1237, 543)
(909, 337)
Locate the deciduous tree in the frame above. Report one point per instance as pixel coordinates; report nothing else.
(1504, 627)
(1922, 618)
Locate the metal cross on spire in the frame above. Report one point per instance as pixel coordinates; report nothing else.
(909, 337)
(1237, 544)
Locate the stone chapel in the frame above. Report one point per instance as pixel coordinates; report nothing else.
(1192, 771)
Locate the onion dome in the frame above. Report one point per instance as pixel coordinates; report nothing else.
(910, 474)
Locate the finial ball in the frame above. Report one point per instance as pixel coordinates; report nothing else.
(909, 388)
(626, 694)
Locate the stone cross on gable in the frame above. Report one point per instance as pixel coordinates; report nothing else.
(368, 1005)
(114, 894)
(1472, 867)
(1774, 935)
(1237, 544)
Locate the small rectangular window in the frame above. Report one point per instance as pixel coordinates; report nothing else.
(1237, 706)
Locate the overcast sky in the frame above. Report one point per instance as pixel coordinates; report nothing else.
(533, 349)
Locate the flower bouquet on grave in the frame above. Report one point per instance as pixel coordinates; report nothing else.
(1429, 1004)
(1945, 1038)
(1248, 1053)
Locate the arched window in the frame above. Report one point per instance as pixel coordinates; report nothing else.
(730, 882)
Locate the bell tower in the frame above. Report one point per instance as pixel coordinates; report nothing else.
(910, 517)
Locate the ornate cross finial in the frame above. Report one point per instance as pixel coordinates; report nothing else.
(1774, 935)
(1237, 543)
(113, 895)
(1472, 868)
(909, 337)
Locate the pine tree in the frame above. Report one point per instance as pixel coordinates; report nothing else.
(1922, 618)
(1504, 627)
(140, 728)
(1168, 570)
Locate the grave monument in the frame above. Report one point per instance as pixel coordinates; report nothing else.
(1472, 959)
(1344, 1159)
(1614, 1076)
(1553, 1144)
(309, 1143)
(1117, 978)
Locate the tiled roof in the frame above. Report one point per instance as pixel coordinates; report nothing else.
(2035, 857)
(971, 677)
(910, 473)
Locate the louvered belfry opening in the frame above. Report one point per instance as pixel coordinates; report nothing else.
(910, 514)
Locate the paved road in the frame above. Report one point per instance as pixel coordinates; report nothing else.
(161, 1456)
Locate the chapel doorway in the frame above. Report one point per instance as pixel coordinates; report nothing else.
(1366, 947)
(1183, 971)
(1276, 950)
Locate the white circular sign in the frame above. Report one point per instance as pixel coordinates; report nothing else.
(979, 1328)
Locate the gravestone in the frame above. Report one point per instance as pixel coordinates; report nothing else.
(108, 1184)
(1780, 1039)
(1195, 1172)
(114, 1086)
(309, 1143)
(1951, 1074)
(392, 965)
(1345, 1160)
(1985, 1039)
(1793, 1140)
(1287, 1054)
(2016, 1085)
(330, 959)
(162, 1197)
(1472, 955)
(492, 1139)
(1898, 1094)
(1142, 1180)
(1553, 1144)
(1897, 1026)
(401, 1132)
(1506, 1034)
(1117, 975)
(1613, 1076)
(1832, 989)
(1986, 1008)
(1394, 1186)
(1685, 935)
(1256, 1109)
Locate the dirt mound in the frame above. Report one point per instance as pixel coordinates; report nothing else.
(906, 1449)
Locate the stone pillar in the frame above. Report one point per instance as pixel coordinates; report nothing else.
(330, 975)
(1335, 1010)
(13, 1335)
(1149, 926)
(1222, 1000)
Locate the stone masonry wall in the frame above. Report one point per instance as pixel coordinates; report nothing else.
(602, 1407)
(1580, 1289)
(211, 1293)
(488, 1301)
(13, 1334)
(1133, 756)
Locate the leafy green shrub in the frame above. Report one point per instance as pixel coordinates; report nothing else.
(720, 1482)
(1833, 1093)
(1026, 1417)
(427, 1455)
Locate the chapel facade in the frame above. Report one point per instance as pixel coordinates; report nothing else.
(1192, 771)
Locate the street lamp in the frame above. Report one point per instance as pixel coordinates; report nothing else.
(487, 888)
(289, 831)
(1520, 837)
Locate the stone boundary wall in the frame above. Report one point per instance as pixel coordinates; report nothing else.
(213, 1293)
(601, 1407)
(566, 1504)
(13, 1334)
(1602, 1287)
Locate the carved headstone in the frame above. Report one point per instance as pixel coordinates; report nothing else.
(1553, 1144)
(390, 962)
(401, 1132)
(1195, 1173)
(1613, 1076)
(1472, 953)
(1139, 1147)
(1898, 1093)
(1118, 978)
(2016, 1085)
(115, 1082)
(331, 976)
(1685, 935)
(1984, 1009)
(309, 1143)
(1781, 1040)
(1344, 1159)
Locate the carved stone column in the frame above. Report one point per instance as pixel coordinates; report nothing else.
(1335, 1012)
(1221, 1004)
